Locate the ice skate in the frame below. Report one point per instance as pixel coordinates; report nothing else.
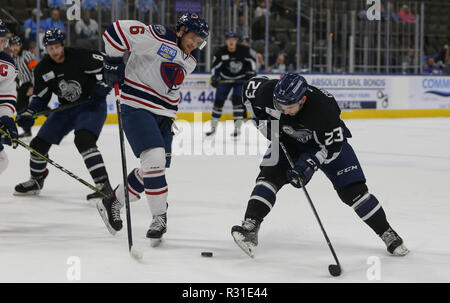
(109, 210)
(211, 132)
(25, 135)
(157, 229)
(246, 235)
(394, 243)
(235, 134)
(31, 187)
(103, 187)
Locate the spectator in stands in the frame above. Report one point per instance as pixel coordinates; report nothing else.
(261, 8)
(406, 15)
(408, 62)
(384, 13)
(86, 31)
(54, 20)
(446, 69)
(260, 64)
(443, 55)
(56, 4)
(30, 25)
(240, 29)
(259, 29)
(432, 67)
(279, 66)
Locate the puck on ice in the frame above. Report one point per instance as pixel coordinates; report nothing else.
(207, 254)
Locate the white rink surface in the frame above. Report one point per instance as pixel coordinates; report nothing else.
(406, 162)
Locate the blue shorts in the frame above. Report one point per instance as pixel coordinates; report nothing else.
(145, 130)
(223, 90)
(88, 116)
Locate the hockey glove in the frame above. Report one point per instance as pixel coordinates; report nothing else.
(7, 124)
(113, 71)
(303, 169)
(26, 119)
(250, 74)
(215, 81)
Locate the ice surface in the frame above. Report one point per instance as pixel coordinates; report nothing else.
(406, 162)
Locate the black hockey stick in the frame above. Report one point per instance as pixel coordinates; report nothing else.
(35, 152)
(60, 108)
(133, 252)
(334, 269)
(223, 81)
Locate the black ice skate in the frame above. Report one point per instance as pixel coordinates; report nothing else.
(26, 134)
(157, 229)
(104, 187)
(211, 132)
(394, 243)
(31, 187)
(109, 210)
(246, 235)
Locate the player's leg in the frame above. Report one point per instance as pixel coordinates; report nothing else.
(22, 103)
(348, 179)
(262, 199)
(3, 159)
(222, 92)
(238, 109)
(89, 120)
(53, 131)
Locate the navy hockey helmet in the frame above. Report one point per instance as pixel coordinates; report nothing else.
(192, 22)
(289, 90)
(53, 36)
(15, 40)
(3, 29)
(231, 35)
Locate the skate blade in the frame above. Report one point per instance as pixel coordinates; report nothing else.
(400, 251)
(102, 211)
(247, 247)
(155, 242)
(30, 193)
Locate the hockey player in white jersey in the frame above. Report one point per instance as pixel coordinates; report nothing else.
(159, 60)
(8, 96)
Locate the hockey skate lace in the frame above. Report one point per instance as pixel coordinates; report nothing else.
(389, 237)
(115, 211)
(249, 224)
(158, 223)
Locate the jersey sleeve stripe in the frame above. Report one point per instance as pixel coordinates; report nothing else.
(140, 102)
(8, 97)
(112, 44)
(146, 97)
(111, 31)
(160, 39)
(123, 36)
(8, 106)
(7, 62)
(151, 90)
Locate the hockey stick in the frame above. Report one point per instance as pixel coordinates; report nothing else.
(60, 108)
(33, 151)
(334, 269)
(221, 81)
(133, 252)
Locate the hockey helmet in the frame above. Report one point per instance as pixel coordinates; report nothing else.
(289, 90)
(15, 40)
(231, 35)
(53, 36)
(3, 29)
(192, 22)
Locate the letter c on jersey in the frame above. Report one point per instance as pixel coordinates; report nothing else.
(3, 70)
(172, 74)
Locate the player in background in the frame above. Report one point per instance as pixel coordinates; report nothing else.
(74, 75)
(159, 60)
(25, 62)
(8, 95)
(315, 138)
(234, 63)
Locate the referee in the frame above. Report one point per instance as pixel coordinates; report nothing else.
(25, 63)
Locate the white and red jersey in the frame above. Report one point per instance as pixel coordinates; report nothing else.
(156, 67)
(8, 93)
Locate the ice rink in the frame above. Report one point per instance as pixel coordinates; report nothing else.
(47, 238)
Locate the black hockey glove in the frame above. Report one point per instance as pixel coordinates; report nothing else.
(113, 71)
(250, 74)
(26, 119)
(7, 124)
(215, 81)
(303, 169)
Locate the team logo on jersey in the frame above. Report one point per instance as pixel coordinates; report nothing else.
(167, 52)
(172, 74)
(159, 29)
(69, 90)
(48, 76)
(303, 135)
(235, 67)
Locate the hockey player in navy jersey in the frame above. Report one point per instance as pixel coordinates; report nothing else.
(74, 75)
(316, 138)
(8, 96)
(159, 60)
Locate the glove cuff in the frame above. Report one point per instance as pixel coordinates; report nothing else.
(113, 60)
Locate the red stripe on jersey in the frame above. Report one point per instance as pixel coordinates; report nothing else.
(160, 39)
(151, 90)
(123, 36)
(157, 193)
(141, 102)
(112, 43)
(7, 62)
(8, 96)
(133, 192)
(10, 107)
(153, 172)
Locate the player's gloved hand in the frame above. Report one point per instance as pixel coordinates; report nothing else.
(215, 81)
(7, 124)
(26, 119)
(113, 71)
(250, 74)
(303, 169)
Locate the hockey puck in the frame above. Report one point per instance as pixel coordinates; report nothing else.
(207, 254)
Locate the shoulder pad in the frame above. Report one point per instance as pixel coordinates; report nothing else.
(5, 57)
(164, 32)
(251, 87)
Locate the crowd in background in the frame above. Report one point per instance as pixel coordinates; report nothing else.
(282, 49)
